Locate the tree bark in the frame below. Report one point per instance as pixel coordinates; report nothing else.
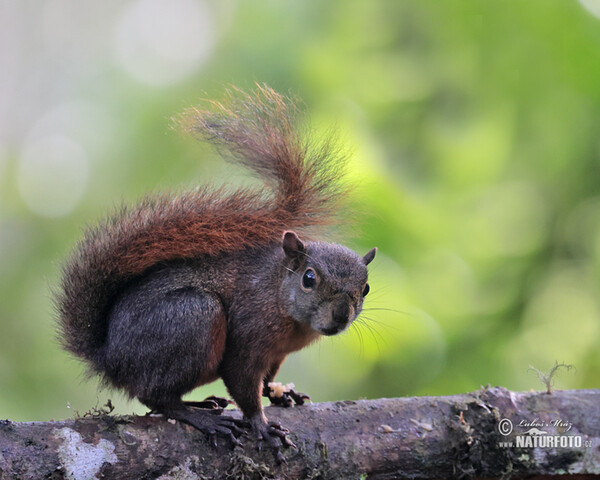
(419, 437)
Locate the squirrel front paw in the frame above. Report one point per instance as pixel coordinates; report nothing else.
(272, 433)
(284, 395)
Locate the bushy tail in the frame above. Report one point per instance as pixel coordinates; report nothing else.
(258, 131)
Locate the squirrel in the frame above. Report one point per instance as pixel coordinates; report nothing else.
(180, 290)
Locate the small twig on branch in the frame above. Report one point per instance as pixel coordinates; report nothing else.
(547, 378)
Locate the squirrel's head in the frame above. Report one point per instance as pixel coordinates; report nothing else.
(324, 285)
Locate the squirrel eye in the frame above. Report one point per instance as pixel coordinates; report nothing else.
(366, 290)
(309, 279)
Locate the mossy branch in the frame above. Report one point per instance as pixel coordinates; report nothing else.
(460, 436)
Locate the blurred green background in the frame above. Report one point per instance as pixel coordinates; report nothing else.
(474, 127)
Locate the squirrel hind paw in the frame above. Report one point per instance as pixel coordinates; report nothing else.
(212, 403)
(210, 424)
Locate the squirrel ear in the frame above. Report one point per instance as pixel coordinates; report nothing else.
(292, 245)
(368, 258)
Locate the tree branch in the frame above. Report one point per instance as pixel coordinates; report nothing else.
(418, 437)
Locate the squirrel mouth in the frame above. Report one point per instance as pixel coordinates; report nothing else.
(330, 331)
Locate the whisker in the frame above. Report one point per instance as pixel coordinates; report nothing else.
(306, 255)
(379, 322)
(380, 291)
(404, 312)
(364, 316)
(360, 338)
(372, 332)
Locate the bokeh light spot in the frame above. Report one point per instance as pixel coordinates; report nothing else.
(52, 175)
(592, 6)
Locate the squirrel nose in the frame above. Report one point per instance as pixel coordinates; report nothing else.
(341, 313)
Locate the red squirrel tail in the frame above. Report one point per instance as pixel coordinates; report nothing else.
(259, 130)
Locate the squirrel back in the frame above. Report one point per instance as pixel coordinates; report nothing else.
(258, 131)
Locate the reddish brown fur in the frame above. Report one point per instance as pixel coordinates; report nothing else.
(221, 227)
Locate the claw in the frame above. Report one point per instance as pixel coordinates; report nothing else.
(289, 443)
(207, 422)
(274, 434)
(235, 441)
(235, 429)
(298, 397)
(213, 404)
(278, 427)
(220, 401)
